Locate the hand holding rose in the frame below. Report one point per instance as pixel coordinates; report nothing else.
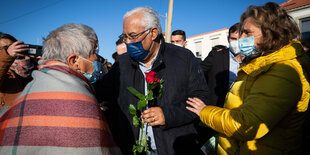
(153, 116)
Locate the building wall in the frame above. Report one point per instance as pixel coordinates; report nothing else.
(202, 44)
(301, 16)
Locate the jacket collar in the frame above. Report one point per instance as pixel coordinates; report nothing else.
(46, 65)
(262, 64)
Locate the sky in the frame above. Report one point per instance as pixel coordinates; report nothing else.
(31, 20)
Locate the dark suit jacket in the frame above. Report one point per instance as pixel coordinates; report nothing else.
(182, 77)
(216, 70)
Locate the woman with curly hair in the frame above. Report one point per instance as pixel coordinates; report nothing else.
(264, 110)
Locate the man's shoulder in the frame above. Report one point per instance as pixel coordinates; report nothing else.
(124, 63)
(123, 58)
(174, 48)
(222, 53)
(175, 52)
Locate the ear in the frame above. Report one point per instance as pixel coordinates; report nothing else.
(72, 61)
(185, 42)
(154, 32)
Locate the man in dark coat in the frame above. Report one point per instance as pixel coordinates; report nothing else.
(170, 125)
(216, 69)
(221, 66)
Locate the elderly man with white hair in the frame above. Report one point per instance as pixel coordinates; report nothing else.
(169, 126)
(57, 112)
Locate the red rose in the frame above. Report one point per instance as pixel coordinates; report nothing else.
(151, 77)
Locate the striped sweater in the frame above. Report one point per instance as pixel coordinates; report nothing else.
(55, 114)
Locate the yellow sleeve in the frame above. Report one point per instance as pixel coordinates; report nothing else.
(271, 96)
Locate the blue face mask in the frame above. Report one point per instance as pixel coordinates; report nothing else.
(136, 50)
(95, 75)
(247, 46)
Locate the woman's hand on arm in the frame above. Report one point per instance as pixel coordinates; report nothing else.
(197, 105)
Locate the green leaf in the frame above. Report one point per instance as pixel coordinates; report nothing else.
(136, 93)
(135, 121)
(134, 148)
(160, 91)
(141, 104)
(144, 140)
(140, 148)
(144, 143)
(150, 96)
(154, 85)
(132, 109)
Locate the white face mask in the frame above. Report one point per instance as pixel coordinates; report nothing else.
(234, 47)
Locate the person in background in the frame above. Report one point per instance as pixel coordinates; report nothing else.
(306, 138)
(114, 56)
(15, 70)
(178, 37)
(216, 72)
(105, 65)
(169, 126)
(306, 44)
(235, 56)
(220, 68)
(109, 66)
(219, 48)
(264, 110)
(57, 112)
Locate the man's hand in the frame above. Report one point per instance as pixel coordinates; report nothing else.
(153, 116)
(17, 48)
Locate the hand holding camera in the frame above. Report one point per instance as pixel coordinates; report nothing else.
(17, 49)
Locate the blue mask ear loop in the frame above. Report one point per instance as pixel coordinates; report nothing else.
(145, 37)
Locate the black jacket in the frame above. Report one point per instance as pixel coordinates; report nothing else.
(216, 69)
(182, 77)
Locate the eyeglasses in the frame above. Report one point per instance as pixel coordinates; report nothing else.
(132, 35)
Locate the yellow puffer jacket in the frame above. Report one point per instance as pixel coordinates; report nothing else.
(264, 110)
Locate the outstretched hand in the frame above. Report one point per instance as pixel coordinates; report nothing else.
(197, 105)
(17, 48)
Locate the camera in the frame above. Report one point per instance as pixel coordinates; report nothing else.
(35, 50)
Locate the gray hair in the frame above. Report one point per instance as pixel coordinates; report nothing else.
(67, 39)
(151, 17)
(89, 33)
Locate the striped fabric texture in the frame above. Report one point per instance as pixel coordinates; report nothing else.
(56, 114)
